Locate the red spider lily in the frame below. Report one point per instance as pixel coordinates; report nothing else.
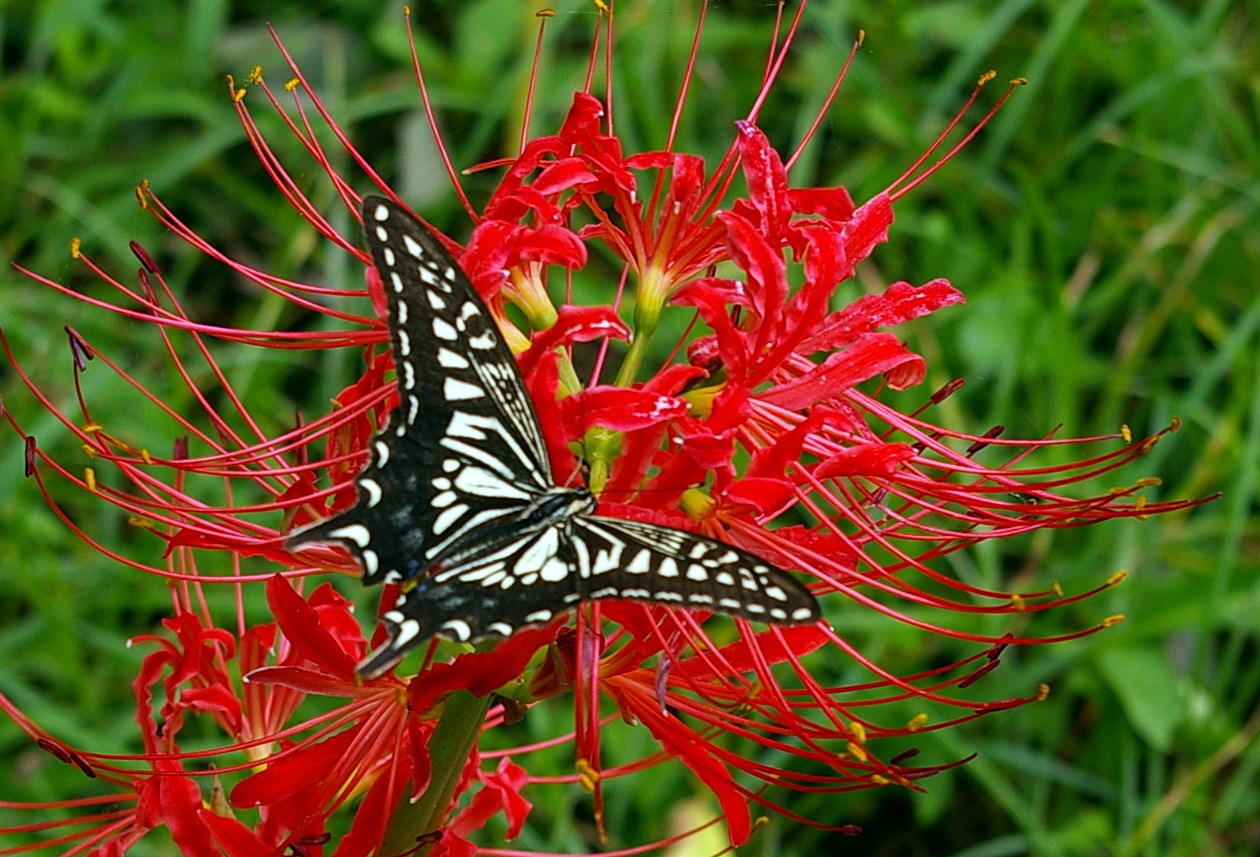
(764, 427)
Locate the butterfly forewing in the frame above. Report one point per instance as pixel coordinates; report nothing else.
(463, 449)
(458, 503)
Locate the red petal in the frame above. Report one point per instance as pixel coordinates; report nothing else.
(833, 203)
(561, 175)
(692, 750)
(479, 673)
(214, 699)
(899, 303)
(767, 180)
(765, 272)
(304, 680)
(296, 770)
(180, 800)
(867, 459)
(235, 838)
(686, 186)
(552, 245)
(764, 495)
(620, 409)
(300, 624)
(500, 790)
(871, 355)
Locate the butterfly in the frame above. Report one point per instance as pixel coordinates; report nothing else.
(457, 502)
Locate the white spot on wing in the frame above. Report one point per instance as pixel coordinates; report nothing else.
(356, 533)
(443, 329)
(456, 390)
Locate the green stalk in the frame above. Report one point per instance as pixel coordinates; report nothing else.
(453, 739)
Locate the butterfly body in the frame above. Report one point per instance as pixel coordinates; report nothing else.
(457, 502)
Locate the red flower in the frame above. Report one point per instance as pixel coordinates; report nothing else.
(763, 428)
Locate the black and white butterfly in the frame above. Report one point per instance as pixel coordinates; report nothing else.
(458, 503)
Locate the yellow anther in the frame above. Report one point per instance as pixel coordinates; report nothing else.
(292, 84)
(255, 75)
(1118, 578)
(1112, 621)
(986, 77)
(1126, 433)
(1017, 601)
(406, 11)
(1019, 81)
(859, 731)
(1057, 589)
(1149, 482)
(588, 777)
(238, 95)
(75, 244)
(857, 751)
(1140, 503)
(880, 779)
(89, 450)
(1043, 692)
(601, 5)
(94, 428)
(144, 455)
(917, 722)
(545, 13)
(861, 37)
(89, 477)
(142, 523)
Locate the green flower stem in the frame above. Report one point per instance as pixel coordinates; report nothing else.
(453, 739)
(601, 446)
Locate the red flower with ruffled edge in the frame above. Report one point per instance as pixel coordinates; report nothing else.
(763, 428)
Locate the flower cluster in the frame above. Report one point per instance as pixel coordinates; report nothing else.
(761, 425)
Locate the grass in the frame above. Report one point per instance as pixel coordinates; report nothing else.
(1104, 229)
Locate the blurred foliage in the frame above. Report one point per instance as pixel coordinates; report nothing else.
(1104, 229)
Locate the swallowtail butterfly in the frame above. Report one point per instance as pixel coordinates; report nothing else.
(457, 501)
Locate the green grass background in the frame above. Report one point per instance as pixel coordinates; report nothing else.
(1104, 229)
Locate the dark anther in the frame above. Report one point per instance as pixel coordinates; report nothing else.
(30, 455)
(145, 259)
(978, 674)
(996, 431)
(181, 448)
(78, 348)
(946, 391)
(904, 756)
